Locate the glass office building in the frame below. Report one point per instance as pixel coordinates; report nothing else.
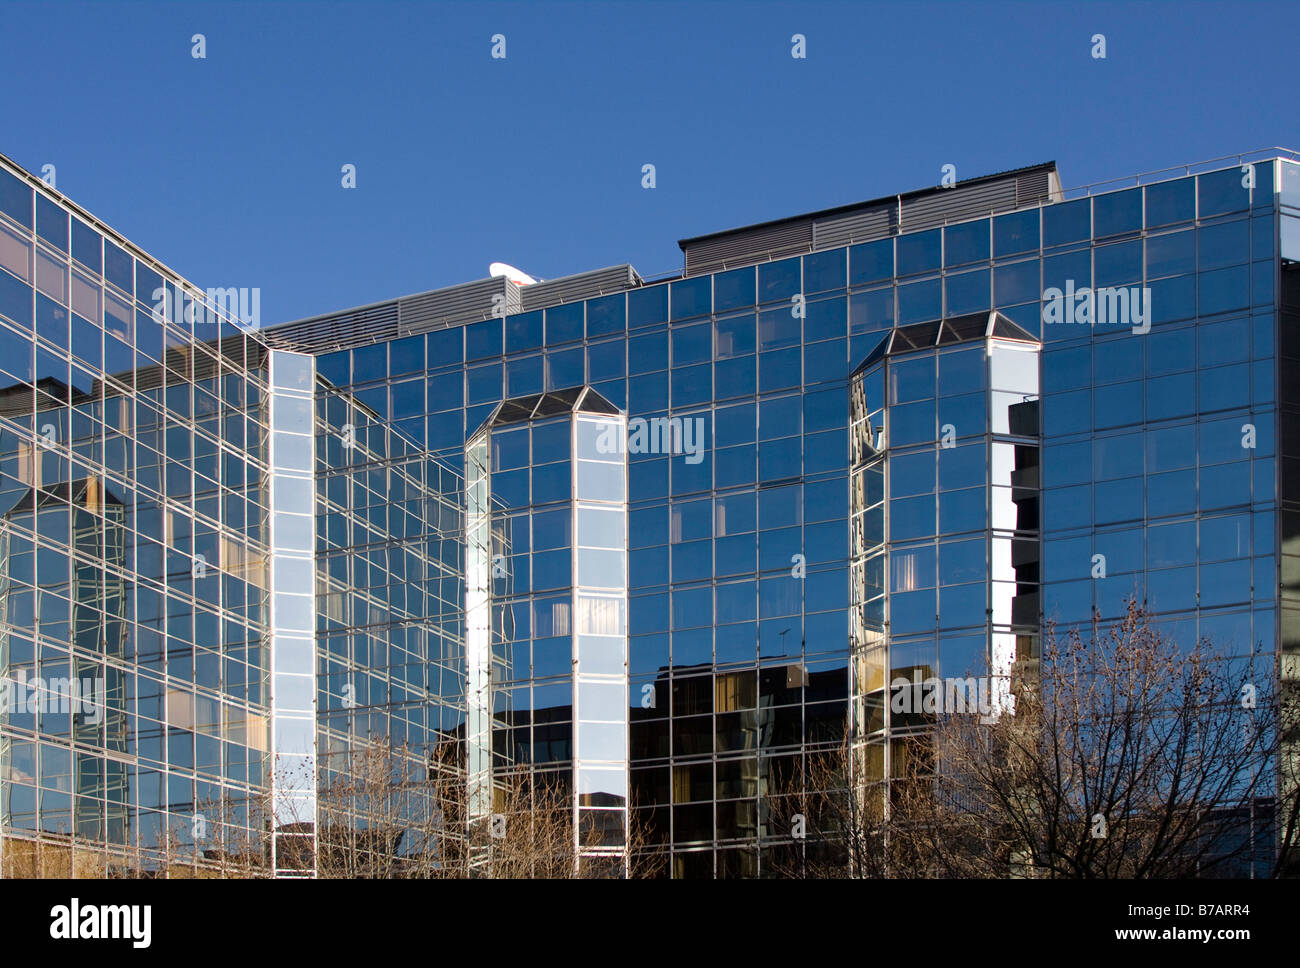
(185, 655)
(890, 437)
(138, 722)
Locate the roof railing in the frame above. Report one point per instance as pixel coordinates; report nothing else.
(1067, 194)
(1178, 171)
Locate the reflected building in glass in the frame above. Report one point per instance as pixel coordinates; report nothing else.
(853, 445)
(908, 457)
(944, 436)
(547, 661)
(137, 726)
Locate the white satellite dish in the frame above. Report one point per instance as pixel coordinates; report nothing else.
(518, 277)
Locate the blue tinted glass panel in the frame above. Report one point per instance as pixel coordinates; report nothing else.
(734, 425)
(1171, 396)
(1117, 359)
(691, 344)
(606, 315)
(149, 336)
(607, 360)
(87, 246)
(1220, 192)
(147, 283)
(1170, 202)
(1015, 233)
(1117, 213)
(15, 199)
(335, 367)
(563, 324)
(119, 268)
(871, 262)
(920, 301)
(779, 369)
(966, 292)
(918, 252)
(734, 289)
(1066, 370)
(407, 355)
(483, 339)
(52, 321)
(565, 369)
(1072, 271)
(871, 311)
(16, 356)
(690, 384)
(86, 341)
(370, 363)
(968, 242)
(51, 223)
(825, 319)
(1225, 244)
(825, 270)
(1223, 290)
(1172, 299)
(523, 332)
(647, 306)
(962, 371)
(692, 297)
(524, 375)
(1067, 222)
(446, 347)
(778, 280)
(734, 337)
(1067, 413)
(1172, 254)
(647, 352)
(15, 300)
(825, 361)
(1118, 264)
(1016, 283)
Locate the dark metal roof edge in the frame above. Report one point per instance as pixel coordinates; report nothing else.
(378, 304)
(393, 300)
(1047, 166)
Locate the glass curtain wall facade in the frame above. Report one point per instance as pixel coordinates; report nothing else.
(135, 731)
(292, 539)
(391, 620)
(741, 621)
(547, 621)
(787, 552)
(945, 533)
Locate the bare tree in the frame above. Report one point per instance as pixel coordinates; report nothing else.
(382, 812)
(386, 811)
(1126, 756)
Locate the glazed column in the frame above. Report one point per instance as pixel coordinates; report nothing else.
(292, 515)
(478, 644)
(600, 700)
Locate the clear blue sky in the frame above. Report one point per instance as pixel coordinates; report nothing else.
(228, 168)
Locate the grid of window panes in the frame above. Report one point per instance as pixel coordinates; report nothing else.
(737, 666)
(390, 573)
(132, 446)
(1159, 450)
(600, 696)
(549, 567)
(945, 533)
(532, 600)
(292, 616)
